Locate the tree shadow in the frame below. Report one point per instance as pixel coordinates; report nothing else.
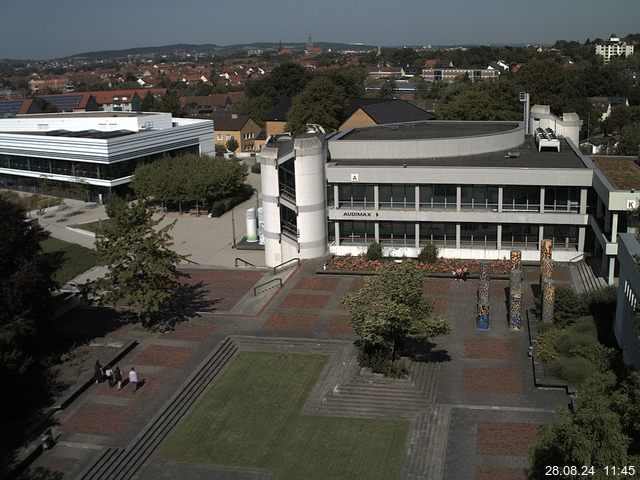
(424, 351)
(188, 301)
(42, 473)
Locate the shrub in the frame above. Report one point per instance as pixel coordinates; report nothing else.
(573, 370)
(568, 306)
(428, 254)
(376, 358)
(221, 206)
(255, 168)
(374, 252)
(570, 341)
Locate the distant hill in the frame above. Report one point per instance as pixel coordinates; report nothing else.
(208, 49)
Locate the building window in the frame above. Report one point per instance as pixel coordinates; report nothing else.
(440, 234)
(438, 196)
(479, 197)
(289, 222)
(521, 198)
(228, 137)
(483, 235)
(357, 233)
(330, 200)
(398, 233)
(355, 195)
(520, 236)
(563, 237)
(287, 179)
(220, 137)
(562, 199)
(397, 196)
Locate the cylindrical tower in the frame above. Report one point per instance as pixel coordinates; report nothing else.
(270, 193)
(310, 196)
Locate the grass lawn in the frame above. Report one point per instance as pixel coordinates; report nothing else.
(93, 226)
(251, 418)
(77, 259)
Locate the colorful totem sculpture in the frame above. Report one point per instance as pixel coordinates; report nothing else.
(516, 260)
(482, 320)
(545, 249)
(515, 299)
(548, 300)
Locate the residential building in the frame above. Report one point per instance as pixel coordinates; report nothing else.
(125, 100)
(63, 84)
(18, 106)
(209, 104)
(91, 155)
(72, 102)
(614, 47)
(276, 120)
(607, 104)
(241, 127)
(363, 112)
(450, 74)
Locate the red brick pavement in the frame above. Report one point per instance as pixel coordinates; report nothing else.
(318, 283)
(99, 419)
(339, 324)
(224, 287)
(495, 348)
(498, 290)
(192, 332)
(289, 321)
(440, 307)
(152, 383)
(356, 284)
(56, 463)
(498, 473)
(295, 300)
(161, 356)
(492, 380)
(437, 287)
(504, 438)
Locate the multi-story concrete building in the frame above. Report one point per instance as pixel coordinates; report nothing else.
(614, 47)
(474, 189)
(90, 155)
(450, 74)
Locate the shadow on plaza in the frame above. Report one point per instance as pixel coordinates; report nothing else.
(424, 351)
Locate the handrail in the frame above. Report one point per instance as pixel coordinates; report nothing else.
(583, 256)
(284, 265)
(238, 259)
(255, 289)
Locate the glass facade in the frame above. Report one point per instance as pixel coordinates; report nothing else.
(562, 199)
(289, 222)
(397, 196)
(520, 236)
(287, 179)
(484, 235)
(479, 197)
(563, 237)
(438, 196)
(521, 198)
(357, 233)
(356, 195)
(398, 233)
(441, 234)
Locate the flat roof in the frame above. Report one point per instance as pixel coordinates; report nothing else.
(622, 172)
(431, 129)
(88, 114)
(528, 157)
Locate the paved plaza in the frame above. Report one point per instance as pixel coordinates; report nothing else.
(470, 398)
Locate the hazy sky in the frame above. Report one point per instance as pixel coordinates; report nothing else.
(42, 29)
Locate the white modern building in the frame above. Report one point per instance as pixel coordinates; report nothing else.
(614, 47)
(90, 155)
(474, 189)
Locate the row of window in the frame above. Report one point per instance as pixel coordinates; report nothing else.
(110, 171)
(480, 197)
(444, 234)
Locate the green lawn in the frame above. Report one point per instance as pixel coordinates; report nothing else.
(77, 259)
(93, 226)
(251, 418)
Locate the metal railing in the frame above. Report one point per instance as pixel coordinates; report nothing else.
(274, 282)
(238, 259)
(285, 265)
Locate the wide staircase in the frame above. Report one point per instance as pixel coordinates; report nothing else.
(124, 463)
(590, 281)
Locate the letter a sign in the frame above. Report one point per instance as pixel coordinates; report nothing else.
(354, 177)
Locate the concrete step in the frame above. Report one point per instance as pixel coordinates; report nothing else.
(373, 393)
(365, 412)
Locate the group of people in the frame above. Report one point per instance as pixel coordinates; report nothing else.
(461, 274)
(114, 376)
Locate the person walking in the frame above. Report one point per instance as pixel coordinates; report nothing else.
(117, 376)
(98, 372)
(133, 378)
(108, 372)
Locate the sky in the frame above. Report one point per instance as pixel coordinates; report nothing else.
(44, 29)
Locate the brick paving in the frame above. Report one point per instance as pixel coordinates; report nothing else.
(440, 306)
(291, 322)
(192, 332)
(500, 473)
(296, 300)
(99, 419)
(437, 287)
(504, 381)
(163, 356)
(504, 438)
(148, 385)
(57, 463)
(339, 324)
(318, 283)
(223, 287)
(495, 348)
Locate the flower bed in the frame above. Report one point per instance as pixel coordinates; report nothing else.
(352, 263)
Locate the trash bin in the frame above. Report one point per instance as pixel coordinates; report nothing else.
(47, 440)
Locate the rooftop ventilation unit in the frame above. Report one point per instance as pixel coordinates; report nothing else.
(547, 139)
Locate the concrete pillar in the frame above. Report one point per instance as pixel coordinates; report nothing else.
(583, 201)
(376, 197)
(336, 226)
(612, 270)
(548, 300)
(500, 198)
(336, 197)
(499, 235)
(417, 195)
(376, 229)
(614, 227)
(541, 199)
(458, 198)
(540, 236)
(417, 235)
(582, 231)
(458, 235)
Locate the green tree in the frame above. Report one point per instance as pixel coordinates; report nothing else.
(232, 145)
(387, 89)
(26, 282)
(220, 150)
(150, 103)
(390, 308)
(480, 101)
(286, 80)
(44, 106)
(321, 102)
(630, 140)
(142, 269)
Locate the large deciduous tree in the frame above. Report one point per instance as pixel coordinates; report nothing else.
(390, 308)
(142, 269)
(321, 102)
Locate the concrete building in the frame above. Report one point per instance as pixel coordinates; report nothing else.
(614, 47)
(625, 326)
(474, 189)
(90, 155)
(240, 127)
(450, 74)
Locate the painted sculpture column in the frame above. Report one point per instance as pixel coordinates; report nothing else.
(546, 270)
(548, 300)
(515, 299)
(516, 260)
(482, 320)
(545, 249)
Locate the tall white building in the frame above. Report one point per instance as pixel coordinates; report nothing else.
(614, 47)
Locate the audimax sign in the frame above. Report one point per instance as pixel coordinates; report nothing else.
(360, 214)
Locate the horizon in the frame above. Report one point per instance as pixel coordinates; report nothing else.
(458, 23)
